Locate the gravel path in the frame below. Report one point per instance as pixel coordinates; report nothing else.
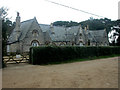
(101, 73)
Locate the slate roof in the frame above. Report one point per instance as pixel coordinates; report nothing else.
(69, 33)
(60, 33)
(97, 35)
(23, 28)
(45, 27)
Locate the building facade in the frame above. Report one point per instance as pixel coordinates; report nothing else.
(30, 33)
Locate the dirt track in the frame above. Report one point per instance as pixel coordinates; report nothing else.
(101, 73)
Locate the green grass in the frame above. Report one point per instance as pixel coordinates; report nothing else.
(84, 59)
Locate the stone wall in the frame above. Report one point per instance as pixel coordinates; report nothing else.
(27, 42)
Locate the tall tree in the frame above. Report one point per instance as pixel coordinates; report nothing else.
(3, 14)
(6, 29)
(94, 24)
(65, 23)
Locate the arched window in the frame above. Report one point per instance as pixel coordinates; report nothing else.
(80, 34)
(35, 43)
(81, 43)
(35, 33)
(88, 42)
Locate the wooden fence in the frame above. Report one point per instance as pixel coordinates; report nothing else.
(16, 58)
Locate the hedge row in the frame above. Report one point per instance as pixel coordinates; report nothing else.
(46, 55)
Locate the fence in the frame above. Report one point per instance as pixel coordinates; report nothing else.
(13, 58)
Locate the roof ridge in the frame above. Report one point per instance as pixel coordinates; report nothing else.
(97, 30)
(45, 24)
(27, 20)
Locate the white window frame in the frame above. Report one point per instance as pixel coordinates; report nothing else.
(35, 44)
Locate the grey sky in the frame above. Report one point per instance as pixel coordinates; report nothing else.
(47, 12)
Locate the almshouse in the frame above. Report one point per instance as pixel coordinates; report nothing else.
(30, 33)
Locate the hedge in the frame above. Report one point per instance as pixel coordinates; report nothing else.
(50, 54)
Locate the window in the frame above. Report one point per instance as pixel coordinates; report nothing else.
(88, 42)
(81, 43)
(8, 48)
(35, 33)
(35, 43)
(80, 34)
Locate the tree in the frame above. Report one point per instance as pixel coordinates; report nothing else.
(118, 31)
(94, 24)
(3, 15)
(114, 36)
(65, 23)
(7, 27)
(97, 24)
(118, 39)
(3, 12)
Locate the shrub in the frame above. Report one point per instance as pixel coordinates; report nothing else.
(50, 54)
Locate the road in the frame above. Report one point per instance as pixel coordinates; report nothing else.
(100, 73)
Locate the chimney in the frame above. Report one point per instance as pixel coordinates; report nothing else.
(17, 27)
(52, 29)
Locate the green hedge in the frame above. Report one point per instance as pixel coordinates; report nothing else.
(50, 54)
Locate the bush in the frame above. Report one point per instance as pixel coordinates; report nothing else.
(50, 54)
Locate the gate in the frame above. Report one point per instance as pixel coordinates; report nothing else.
(16, 58)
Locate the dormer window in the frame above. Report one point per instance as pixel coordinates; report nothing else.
(35, 33)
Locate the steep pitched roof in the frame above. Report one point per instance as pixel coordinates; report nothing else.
(69, 33)
(97, 35)
(44, 27)
(25, 25)
(60, 33)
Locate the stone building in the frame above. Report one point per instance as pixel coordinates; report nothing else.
(30, 33)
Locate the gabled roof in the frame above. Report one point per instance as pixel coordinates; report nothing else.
(69, 33)
(97, 35)
(45, 27)
(60, 33)
(25, 25)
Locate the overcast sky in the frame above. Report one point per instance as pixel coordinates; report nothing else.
(47, 12)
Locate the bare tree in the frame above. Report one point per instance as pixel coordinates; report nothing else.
(3, 12)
